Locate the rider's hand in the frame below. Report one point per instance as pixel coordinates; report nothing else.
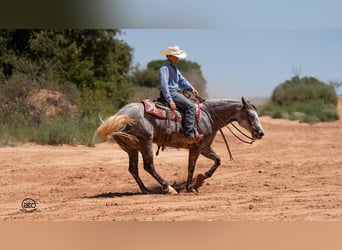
(172, 105)
(195, 92)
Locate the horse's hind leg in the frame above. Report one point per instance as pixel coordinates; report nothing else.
(147, 154)
(133, 169)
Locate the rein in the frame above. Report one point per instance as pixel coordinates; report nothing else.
(242, 140)
(227, 146)
(231, 131)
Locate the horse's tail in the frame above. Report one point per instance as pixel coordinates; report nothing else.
(113, 127)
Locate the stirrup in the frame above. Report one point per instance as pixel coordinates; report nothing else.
(195, 139)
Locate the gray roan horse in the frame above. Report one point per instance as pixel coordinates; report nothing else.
(135, 131)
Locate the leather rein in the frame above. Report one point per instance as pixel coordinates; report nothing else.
(231, 131)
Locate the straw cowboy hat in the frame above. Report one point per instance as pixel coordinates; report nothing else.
(174, 51)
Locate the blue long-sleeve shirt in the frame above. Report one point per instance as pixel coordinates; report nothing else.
(171, 80)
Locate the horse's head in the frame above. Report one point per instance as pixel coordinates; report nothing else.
(249, 119)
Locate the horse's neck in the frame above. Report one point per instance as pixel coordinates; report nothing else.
(223, 111)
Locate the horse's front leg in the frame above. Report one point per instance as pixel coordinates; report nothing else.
(193, 156)
(210, 154)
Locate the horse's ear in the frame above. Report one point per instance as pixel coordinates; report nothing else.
(244, 101)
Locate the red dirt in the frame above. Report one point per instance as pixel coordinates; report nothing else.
(293, 174)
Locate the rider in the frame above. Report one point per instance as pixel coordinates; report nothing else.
(171, 81)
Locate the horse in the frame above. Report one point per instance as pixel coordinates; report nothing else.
(135, 131)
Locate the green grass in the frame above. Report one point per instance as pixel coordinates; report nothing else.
(54, 131)
(311, 112)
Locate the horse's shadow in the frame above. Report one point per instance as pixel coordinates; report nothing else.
(112, 195)
(155, 190)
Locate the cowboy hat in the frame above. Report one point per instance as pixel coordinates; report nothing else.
(174, 51)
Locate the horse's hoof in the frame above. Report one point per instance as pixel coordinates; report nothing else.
(191, 189)
(170, 190)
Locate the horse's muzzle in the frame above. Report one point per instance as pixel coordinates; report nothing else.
(258, 134)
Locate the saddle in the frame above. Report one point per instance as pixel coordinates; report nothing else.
(161, 110)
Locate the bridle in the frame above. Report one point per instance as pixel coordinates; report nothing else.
(242, 133)
(231, 131)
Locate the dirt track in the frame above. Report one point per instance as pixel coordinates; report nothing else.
(294, 173)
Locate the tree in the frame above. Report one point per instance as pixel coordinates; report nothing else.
(89, 68)
(92, 59)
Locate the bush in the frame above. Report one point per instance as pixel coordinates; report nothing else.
(145, 93)
(74, 121)
(303, 90)
(86, 128)
(311, 112)
(304, 99)
(55, 132)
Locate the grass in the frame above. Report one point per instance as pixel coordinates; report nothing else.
(310, 112)
(55, 131)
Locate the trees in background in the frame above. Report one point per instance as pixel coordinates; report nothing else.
(87, 59)
(90, 68)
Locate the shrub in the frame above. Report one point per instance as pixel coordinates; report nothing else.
(303, 90)
(57, 131)
(145, 93)
(305, 99)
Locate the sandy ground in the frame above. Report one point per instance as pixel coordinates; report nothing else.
(293, 174)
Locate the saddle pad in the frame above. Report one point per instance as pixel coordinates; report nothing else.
(151, 108)
(167, 113)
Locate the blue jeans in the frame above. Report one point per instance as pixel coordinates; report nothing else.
(189, 110)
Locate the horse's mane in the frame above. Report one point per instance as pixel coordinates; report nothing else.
(220, 102)
(230, 101)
